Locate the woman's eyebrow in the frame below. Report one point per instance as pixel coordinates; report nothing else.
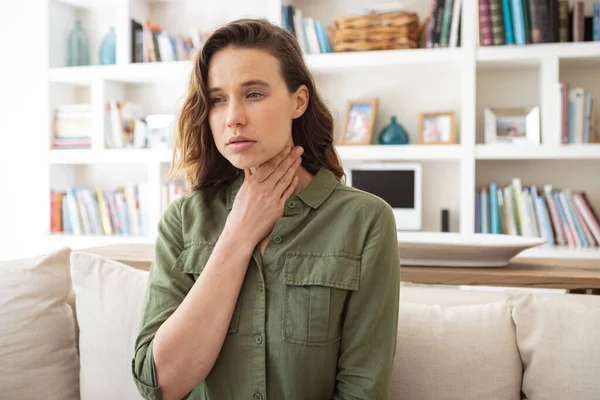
(256, 82)
(252, 82)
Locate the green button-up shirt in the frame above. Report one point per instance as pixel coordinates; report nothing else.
(317, 313)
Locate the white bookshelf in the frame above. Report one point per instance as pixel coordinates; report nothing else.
(407, 82)
(582, 54)
(548, 152)
(112, 156)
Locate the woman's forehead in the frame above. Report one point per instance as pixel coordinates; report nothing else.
(235, 67)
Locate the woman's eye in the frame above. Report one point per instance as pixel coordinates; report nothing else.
(254, 95)
(215, 100)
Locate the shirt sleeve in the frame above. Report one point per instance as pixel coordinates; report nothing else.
(166, 289)
(368, 343)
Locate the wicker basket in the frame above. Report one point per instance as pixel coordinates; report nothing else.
(395, 30)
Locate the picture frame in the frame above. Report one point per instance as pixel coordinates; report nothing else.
(437, 127)
(359, 121)
(517, 125)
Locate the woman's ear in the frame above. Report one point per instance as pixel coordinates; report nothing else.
(299, 101)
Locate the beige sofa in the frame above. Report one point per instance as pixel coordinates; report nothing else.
(68, 321)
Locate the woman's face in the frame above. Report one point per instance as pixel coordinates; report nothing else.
(249, 100)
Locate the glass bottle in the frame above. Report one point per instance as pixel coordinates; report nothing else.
(394, 133)
(108, 48)
(78, 46)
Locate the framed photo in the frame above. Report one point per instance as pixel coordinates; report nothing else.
(358, 124)
(512, 125)
(437, 128)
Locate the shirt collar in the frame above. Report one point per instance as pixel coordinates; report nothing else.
(315, 194)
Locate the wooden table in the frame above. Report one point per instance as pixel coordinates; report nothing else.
(575, 275)
(571, 274)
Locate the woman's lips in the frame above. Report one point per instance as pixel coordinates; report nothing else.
(237, 147)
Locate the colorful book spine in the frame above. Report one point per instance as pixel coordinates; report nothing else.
(587, 122)
(493, 208)
(497, 21)
(508, 24)
(485, 23)
(563, 21)
(573, 220)
(518, 21)
(596, 19)
(432, 19)
(446, 20)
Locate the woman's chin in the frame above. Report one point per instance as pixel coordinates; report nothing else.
(244, 162)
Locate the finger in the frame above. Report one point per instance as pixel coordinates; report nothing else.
(265, 170)
(291, 189)
(287, 178)
(284, 166)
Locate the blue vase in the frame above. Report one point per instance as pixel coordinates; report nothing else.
(108, 48)
(78, 47)
(394, 133)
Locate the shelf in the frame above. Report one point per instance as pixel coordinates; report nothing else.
(400, 152)
(82, 241)
(562, 252)
(129, 73)
(344, 61)
(580, 54)
(349, 153)
(318, 63)
(89, 3)
(533, 152)
(112, 156)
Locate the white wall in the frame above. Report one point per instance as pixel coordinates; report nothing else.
(22, 105)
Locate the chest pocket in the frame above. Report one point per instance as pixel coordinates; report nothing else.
(192, 261)
(316, 289)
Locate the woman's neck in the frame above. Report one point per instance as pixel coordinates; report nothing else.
(304, 178)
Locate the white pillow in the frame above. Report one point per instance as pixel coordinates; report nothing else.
(38, 354)
(109, 300)
(458, 352)
(559, 340)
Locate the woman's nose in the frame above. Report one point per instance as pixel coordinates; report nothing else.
(236, 114)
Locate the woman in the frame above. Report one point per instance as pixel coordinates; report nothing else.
(271, 279)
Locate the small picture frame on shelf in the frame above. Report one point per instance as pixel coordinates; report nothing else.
(437, 127)
(359, 121)
(512, 125)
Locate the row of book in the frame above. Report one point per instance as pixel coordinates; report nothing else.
(536, 21)
(151, 43)
(561, 216)
(310, 33)
(578, 123)
(444, 25)
(121, 211)
(127, 127)
(72, 126)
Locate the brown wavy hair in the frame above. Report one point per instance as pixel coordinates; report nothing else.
(195, 153)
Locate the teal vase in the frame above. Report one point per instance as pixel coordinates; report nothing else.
(108, 48)
(394, 133)
(78, 53)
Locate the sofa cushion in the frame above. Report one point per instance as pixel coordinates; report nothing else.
(558, 338)
(456, 352)
(37, 330)
(109, 300)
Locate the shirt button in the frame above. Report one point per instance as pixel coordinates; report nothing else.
(258, 396)
(259, 340)
(291, 204)
(277, 239)
(261, 287)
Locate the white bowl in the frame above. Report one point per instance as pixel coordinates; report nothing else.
(441, 249)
